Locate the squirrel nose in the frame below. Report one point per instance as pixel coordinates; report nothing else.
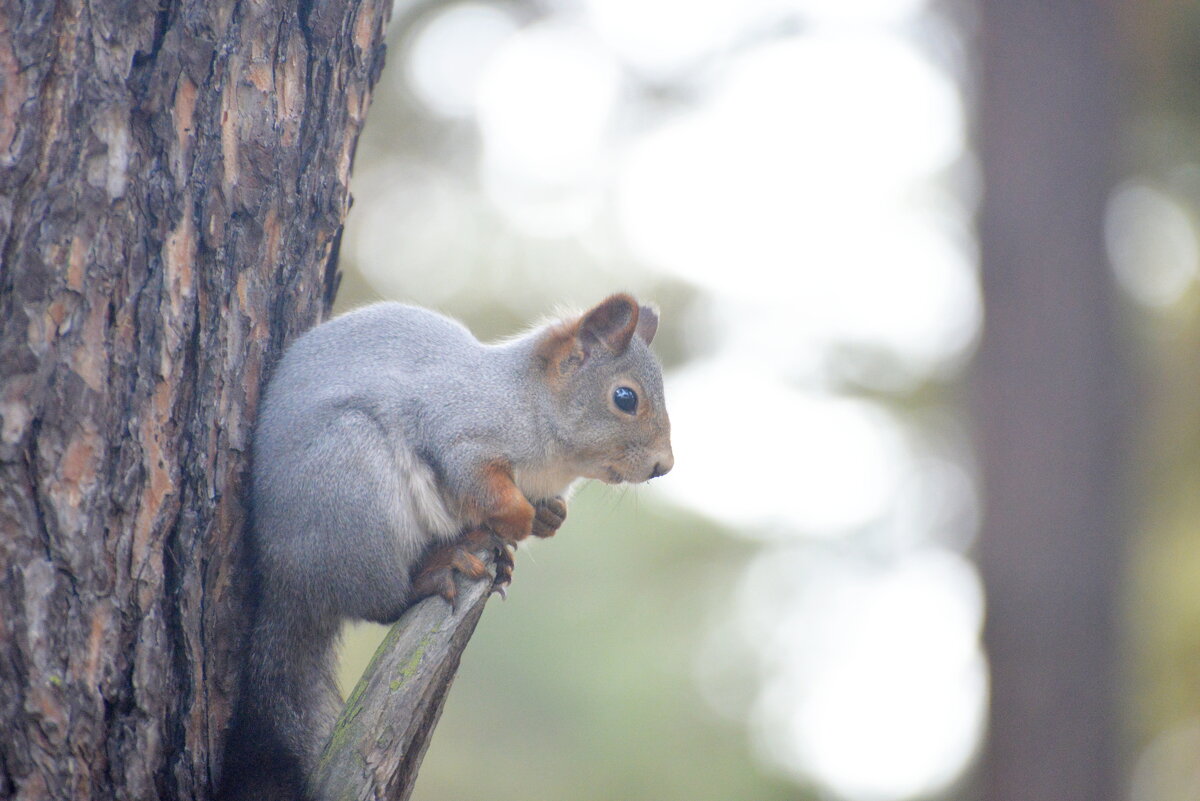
(663, 467)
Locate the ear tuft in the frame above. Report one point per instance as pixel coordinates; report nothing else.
(647, 323)
(610, 324)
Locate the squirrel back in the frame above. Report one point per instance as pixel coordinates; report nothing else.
(389, 432)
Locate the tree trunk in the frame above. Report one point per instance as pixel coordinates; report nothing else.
(1049, 391)
(173, 182)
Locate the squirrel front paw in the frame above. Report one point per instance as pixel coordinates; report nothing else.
(548, 516)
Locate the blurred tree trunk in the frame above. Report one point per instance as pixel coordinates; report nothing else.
(173, 182)
(1049, 390)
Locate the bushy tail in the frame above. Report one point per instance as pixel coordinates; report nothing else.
(287, 703)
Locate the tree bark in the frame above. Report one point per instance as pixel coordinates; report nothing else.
(173, 182)
(1050, 391)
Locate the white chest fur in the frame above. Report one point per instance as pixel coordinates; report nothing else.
(545, 483)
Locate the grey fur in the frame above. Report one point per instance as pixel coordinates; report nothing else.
(367, 451)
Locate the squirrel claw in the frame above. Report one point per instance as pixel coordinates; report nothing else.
(504, 568)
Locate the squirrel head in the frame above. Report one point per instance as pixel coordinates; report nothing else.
(607, 388)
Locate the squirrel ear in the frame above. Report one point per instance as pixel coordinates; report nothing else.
(647, 323)
(610, 324)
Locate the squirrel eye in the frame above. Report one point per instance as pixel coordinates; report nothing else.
(625, 399)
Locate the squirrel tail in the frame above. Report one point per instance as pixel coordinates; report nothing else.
(287, 703)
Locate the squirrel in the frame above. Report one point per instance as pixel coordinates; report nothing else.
(390, 444)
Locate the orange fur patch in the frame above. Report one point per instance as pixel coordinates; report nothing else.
(558, 351)
(506, 511)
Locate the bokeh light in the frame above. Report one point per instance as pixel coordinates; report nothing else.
(450, 53)
(844, 457)
(1151, 244)
(874, 660)
(545, 109)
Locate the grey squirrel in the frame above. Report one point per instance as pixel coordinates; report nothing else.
(390, 444)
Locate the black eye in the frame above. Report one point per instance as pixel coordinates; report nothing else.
(625, 399)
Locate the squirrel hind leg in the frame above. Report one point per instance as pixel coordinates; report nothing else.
(437, 570)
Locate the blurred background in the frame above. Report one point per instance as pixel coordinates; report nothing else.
(824, 197)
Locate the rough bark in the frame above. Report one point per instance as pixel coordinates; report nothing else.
(1049, 390)
(173, 182)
